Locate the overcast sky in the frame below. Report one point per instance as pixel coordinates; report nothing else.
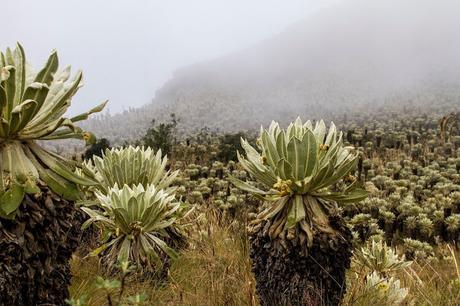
(128, 49)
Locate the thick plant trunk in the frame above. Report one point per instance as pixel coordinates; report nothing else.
(286, 277)
(35, 249)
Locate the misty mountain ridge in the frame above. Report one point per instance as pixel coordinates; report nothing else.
(351, 56)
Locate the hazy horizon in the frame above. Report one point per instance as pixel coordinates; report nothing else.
(158, 37)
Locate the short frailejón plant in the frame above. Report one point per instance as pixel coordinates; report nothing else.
(137, 212)
(300, 218)
(37, 186)
(380, 258)
(135, 222)
(381, 290)
(132, 166)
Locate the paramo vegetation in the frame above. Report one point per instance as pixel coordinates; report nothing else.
(364, 211)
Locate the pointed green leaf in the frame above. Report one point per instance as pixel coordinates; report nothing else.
(20, 64)
(46, 74)
(3, 100)
(246, 186)
(296, 212)
(11, 199)
(85, 116)
(311, 153)
(9, 84)
(21, 115)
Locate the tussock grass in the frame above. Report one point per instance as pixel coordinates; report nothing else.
(215, 270)
(429, 283)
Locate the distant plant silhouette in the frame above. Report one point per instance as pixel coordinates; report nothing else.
(161, 136)
(230, 144)
(97, 148)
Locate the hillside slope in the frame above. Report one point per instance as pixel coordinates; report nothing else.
(351, 56)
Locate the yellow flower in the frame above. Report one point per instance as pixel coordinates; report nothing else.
(284, 187)
(383, 287)
(86, 136)
(264, 159)
(350, 178)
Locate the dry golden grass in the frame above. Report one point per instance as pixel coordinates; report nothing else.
(436, 283)
(216, 270)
